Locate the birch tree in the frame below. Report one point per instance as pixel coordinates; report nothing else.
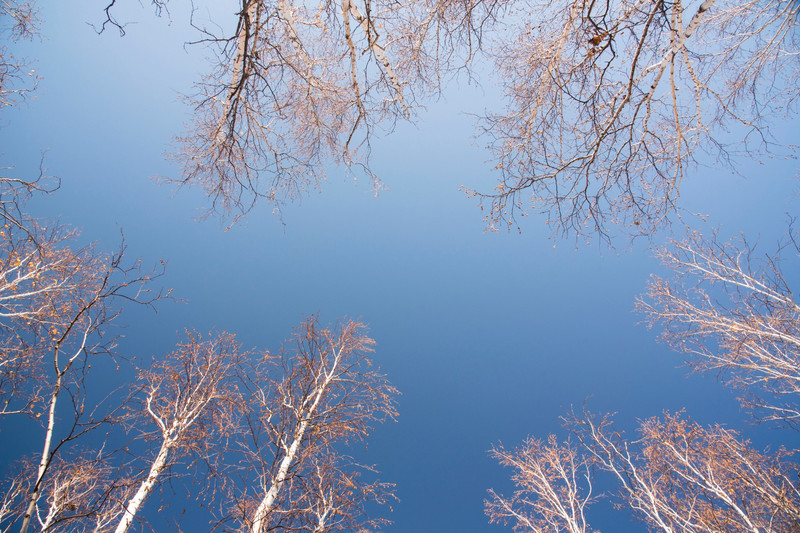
(191, 398)
(57, 301)
(677, 477)
(610, 104)
(78, 492)
(683, 477)
(733, 312)
(553, 488)
(607, 105)
(334, 496)
(75, 334)
(18, 21)
(324, 394)
(39, 270)
(300, 85)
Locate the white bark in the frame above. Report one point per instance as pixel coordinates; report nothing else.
(304, 415)
(46, 458)
(44, 462)
(239, 75)
(159, 463)
(377, 49)
(196, 388)
(277, 482)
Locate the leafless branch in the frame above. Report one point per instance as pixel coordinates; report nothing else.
(610, 103)
(682, 477)
(738, 317)
(554, 487)
(18, 21)
(300, 86)
(322, 393)
(191, 399)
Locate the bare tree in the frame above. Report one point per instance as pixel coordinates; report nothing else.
(682, 477)
(18, 21)
(300, 85)
(678, 477)
(321, 394)
(737, 317)
(38, 272)
(332, 496)
(608, 104)
(324, 394)
(554, 487)
(78, 491)
(191, 398)
(75, 332)
(14, 490)
(611, 102)
(56, 302)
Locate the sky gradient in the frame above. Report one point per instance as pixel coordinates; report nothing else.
(488, 336)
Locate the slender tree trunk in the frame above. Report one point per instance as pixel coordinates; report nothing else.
(247, 27)
(44, 462)
(277, 481)
(146, 486)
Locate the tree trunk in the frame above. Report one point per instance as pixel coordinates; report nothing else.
(146, 487)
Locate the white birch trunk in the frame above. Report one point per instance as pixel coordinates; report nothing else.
(277, 482)
(379, 53)
(280, 477)
(44, 462)
(238, 76)
(146, 486)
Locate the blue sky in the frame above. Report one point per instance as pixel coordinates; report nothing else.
(489, 336)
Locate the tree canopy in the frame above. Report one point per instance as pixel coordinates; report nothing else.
(607, 105)
(604, 109)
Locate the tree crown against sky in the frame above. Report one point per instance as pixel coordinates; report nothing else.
(209, 404)
(608, 105)
(737, 318)
(325, 482)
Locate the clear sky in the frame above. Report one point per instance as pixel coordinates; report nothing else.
(489, 336)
